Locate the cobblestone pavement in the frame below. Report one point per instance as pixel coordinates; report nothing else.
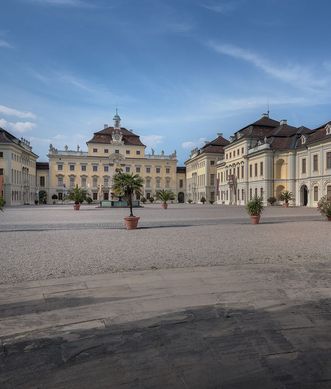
(233, 326)
(227, 305)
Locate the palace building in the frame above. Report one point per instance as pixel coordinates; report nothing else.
(269, 156)
(201, 170)
(111, 148)
(17, 170)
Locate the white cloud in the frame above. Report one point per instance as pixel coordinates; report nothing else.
(152, 140)
(296, 75)
(222, 7)
(5, 44)
(65, 3)
(14, 112)
(20, 127)
(189, 145)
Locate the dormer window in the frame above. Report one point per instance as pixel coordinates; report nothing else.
(328, 129)
(303, 139)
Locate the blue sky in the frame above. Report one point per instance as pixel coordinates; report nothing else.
(180, 71)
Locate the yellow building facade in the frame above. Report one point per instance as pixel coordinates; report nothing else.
(111, 148)
(269, 156)
(17, 170)
(201, 170)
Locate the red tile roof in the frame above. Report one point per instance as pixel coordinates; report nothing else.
(105, 136)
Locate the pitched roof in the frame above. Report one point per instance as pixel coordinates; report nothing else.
(319, 134)
(7, 137)
(215, 146)
(105, 136)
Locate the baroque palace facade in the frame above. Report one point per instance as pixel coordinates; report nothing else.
(201, 170)
(267, 157)
(17, 170)
(109, 149)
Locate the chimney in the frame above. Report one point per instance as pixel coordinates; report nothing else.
(220, 134)
(283, 122)
(105, 126)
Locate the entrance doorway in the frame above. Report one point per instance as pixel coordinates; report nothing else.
(106, 195)
(304, 195)
(181, 197)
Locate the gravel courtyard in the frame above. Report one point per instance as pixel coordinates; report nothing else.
(55, 241)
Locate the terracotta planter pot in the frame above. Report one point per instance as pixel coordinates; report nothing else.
(255, 219)
(76, 207)
(164, 205)
(286, 205)
(131, 222)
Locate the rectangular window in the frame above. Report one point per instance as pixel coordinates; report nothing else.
(59, 167)
(127, 169)
(127, 152)
(168, 170)
(261, 192)
(95, 150)
(138, 152)
(94, 196)
(250, 194)
(234, 153)
(181, 183)
(250, 170)
(83, 167)
(148, 170)
(242, 172)
(303, 166)
(328, 160)
(242, 150)
(95, 182)
(1, 154)
(106, 168)
(60, 181)
(212, 179)
(238, 171)
(95, 168)
(315, 193)
(158, 170)
(255, 192)
(117, 151)
(212, 163)
(106, 151)
(242, 194)
(137, 169)
(315, 163)
(230, 155)
(255, 169)
(42, 181)
(83, 182)
(105, 182)
(71, 168)
(72, 182)
(261, 168)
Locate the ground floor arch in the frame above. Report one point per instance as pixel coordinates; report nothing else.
(181, 197)
(303, 195)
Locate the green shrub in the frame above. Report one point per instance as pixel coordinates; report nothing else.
(271, 200)
(255, 206)
(324, 206)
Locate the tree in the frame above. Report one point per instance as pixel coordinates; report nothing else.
(165, 195)
(78, 195)
(128, 184)
(286, 196)
(42, 197)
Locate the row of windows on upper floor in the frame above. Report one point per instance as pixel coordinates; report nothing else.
(198, 165)
(106, 182)
(235, 153)
(127, 169)
(18, 158)
(106, 151)
(315, 163)
(239, 172)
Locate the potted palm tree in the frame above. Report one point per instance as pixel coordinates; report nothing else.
(255, 207)
(78, 195)
(286, 196)
(324, 206)
(128, 184)
(165, 195)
